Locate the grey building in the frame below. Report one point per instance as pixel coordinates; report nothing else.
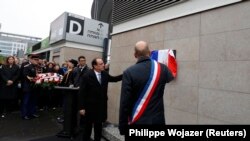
(102, 11)
(15, 44)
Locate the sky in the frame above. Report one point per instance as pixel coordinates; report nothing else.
(33, 17)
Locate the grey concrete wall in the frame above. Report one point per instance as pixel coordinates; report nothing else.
(213, 56)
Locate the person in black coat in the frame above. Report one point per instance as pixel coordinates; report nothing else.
(42, 93)
(24, 63)
(9, 81)
(29, 103)
(80, 70)
(56, 97)
(68, 81)
(140, 103)
(93, 98)
(21, 76)
(68, 78)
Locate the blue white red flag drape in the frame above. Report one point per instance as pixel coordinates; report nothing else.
(166, 57)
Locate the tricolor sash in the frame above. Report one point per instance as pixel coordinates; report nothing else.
(147, 92)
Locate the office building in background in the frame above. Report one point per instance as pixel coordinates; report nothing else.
(15, 44)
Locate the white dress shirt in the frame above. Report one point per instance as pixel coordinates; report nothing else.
(98, 76)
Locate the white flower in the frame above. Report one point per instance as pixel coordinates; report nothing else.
(46, 80)
(38, 81)
(51, 79)
(56, 79)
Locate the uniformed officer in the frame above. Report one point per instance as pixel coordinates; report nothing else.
(28, 109)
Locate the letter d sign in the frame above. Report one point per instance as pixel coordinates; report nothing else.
(73, 30)
(75, 26)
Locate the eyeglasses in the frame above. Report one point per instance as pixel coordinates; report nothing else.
(82, 60)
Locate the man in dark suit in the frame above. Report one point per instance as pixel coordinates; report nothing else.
(80, 70)
(142, 90)
(93, 101)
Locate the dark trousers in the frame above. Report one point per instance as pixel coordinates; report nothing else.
(5, 105)
(88, 130)
(28, 104)
(43, 98)
(55, 98)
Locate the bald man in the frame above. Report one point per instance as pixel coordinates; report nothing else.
(142, 90)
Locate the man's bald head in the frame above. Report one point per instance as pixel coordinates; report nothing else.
(142, 49)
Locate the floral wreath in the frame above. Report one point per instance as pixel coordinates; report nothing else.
(47, 80)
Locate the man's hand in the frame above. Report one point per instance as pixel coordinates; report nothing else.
(106, 66)
(82, 112)
(30, 78)
(9, 82)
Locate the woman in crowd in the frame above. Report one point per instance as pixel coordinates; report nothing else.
(50, 67)
(58, 70)
(9, 81)
(65, 67)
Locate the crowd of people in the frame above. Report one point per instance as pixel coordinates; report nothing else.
(16, 89)
(141, 94)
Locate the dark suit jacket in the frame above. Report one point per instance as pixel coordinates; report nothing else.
(93, 95)
(21, 77)
(28, 70)
(79, 74)
(133, 82)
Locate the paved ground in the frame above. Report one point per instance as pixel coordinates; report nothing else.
(44, 128)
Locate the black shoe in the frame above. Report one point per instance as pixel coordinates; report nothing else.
(63, 134)
(25, 118)
(35, 116)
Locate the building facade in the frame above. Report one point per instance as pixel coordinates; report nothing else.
(16, 45)
(102, 11)
(211, 39)
(72, 36)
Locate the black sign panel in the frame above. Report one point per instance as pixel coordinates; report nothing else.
(75, 26)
